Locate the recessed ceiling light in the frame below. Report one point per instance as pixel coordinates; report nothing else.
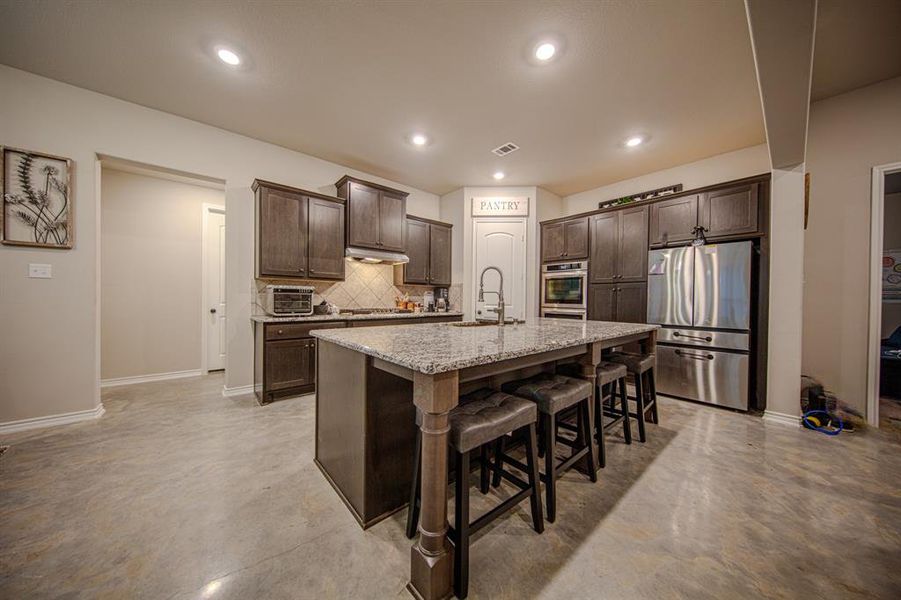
(498, 175)
(634, 141)
(228, 57)
(419, 139)
(545, 51)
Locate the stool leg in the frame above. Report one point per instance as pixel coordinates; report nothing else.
(542, 442)
(483, 468)
(586, 436)
(461, 526)
(652, 392)
(599, 426)
(413, 510)
(498, 462)
(534, 479)
(550, 466)
(624, 406)
(639, 406)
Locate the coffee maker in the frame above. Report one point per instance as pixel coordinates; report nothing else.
(442, 300)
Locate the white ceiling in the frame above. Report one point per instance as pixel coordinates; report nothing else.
(349, 81)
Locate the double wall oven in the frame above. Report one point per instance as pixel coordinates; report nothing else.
(564, 290)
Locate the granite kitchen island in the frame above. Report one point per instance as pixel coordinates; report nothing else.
(371, 381)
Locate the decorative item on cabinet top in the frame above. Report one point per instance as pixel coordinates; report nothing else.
(36, 199)
(658, 193)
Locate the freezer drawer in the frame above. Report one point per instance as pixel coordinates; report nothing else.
(724, 340)
(710, 376)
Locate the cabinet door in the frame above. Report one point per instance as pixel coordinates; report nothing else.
(363, 209)
(326, 253)
(602, 302)
(732, 211)
(290, 363)
(575, 237)
(440, 255)
(283, 234)
(674, 220)
(417, 270)
(602, 265)
(552, 242)
(633, 244)
(392, 222)
(631, 302)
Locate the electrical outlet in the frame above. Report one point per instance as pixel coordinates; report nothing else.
(40, 271)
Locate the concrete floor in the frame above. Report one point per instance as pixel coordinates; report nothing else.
(178, 492)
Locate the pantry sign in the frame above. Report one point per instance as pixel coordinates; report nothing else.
(500, 207)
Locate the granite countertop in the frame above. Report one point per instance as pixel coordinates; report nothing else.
(350, 317)
(439, 347)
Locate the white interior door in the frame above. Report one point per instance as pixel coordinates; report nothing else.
(215, 289)
(500, 243)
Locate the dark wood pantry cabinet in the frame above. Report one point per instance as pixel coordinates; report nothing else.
(429, 249)
(565, 240)
(376, 215)
(299, 234)
(623, 302)
(619, 245)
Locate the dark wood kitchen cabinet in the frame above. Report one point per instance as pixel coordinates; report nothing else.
(299, 234)
(729, 211)
(565, 240)
(619, 245)
(429, 250)
(623, 302)
(376, 215)
(673, 220)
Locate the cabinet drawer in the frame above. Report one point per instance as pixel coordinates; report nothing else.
(290, 331)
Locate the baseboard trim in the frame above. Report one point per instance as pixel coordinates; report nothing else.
(228, 392)
(53, 420)
(104, 383)
(781, 418)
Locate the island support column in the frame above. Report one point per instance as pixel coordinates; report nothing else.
(590, 361)
(431, 561)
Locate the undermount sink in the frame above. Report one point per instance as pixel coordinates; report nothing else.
(473, 323)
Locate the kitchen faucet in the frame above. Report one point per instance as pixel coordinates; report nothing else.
(500, 295)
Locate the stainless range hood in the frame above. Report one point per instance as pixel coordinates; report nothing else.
(376, 256)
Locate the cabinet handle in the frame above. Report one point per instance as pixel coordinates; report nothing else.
(280, 332)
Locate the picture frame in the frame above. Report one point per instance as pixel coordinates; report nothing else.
(37, 203)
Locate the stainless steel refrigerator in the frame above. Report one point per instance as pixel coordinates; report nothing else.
(702, 298)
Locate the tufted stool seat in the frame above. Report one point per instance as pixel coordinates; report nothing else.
(553, 394)
(485, 415)
(481, 418)
(641, 367)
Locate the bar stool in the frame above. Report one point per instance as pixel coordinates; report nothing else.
(553, 394)
(641, 367)
(482, 417)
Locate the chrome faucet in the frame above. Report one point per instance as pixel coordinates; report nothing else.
(500, 294)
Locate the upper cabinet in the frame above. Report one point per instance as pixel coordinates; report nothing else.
(565, 240)
(729, 211)
(674, 220)
(429, 249)
(376, 215)
(619, 245)
(299, 234)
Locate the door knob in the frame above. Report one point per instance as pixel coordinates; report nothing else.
(212, 311)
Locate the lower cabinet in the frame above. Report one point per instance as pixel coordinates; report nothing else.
(285, 353)
(623, 302)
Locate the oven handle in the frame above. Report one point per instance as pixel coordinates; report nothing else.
(695, 356)
(564, 274)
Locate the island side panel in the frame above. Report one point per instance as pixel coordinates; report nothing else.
(340, 421)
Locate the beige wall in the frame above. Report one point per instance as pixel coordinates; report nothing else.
(849, 134)
(50, 354)
(150, 264)
(891, 312)
(746, 162)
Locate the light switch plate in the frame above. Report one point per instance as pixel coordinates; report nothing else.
(40, 271)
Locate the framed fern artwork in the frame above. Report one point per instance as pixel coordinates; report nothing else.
(37, 201)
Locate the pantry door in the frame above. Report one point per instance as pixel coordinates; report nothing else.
(500, 243)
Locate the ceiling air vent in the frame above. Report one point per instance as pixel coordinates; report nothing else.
(506, 149)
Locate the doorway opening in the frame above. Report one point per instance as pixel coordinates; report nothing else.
(162, 274)
(884, 369)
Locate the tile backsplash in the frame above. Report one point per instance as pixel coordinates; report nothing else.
(368, 286)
